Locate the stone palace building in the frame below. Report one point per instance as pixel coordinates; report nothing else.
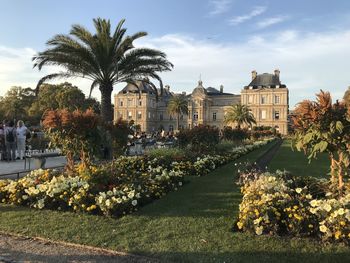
(264, 95)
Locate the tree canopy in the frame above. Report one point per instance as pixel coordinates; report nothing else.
(239, 114)
(104, 57)
(178, 105)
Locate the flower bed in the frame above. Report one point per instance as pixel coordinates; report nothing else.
(115, 188)
(281, 204)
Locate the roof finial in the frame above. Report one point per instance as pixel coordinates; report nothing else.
(200, 80)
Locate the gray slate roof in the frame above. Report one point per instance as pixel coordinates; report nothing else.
(143, 87)
(265, 80)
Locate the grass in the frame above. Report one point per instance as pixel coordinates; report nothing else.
(298, 164)
(190, 225)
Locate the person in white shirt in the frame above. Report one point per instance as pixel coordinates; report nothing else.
(21, 133)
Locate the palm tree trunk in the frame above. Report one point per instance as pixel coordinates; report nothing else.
(106, 104)
(178, 121)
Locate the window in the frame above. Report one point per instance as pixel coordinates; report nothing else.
(139, 115)
(263, 114)
(171, 128)
(214, 116)
(121, 103)
(195, 116)
(250, 99)
(161, 116)
(120, 114)
(130, 102)
(140, 102)
(130, 115)
(263, 99)
(277, 99)
(277, 115)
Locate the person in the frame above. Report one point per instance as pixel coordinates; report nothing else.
(21, 134)
(2, 142)
(10, 141)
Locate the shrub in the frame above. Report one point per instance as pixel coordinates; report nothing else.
(200, 139)
(234, 134)
(75, 133)
(282, 204)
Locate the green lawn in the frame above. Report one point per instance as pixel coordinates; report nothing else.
(297, 163)
(190, 225)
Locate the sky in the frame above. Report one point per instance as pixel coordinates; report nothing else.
(221, 41)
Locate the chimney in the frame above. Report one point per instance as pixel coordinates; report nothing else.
(254, 74)
(167, 87)
(277, 73)
(221, 88)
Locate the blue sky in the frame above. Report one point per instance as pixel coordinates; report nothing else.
(223, 40)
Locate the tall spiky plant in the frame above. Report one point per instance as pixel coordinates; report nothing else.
(178, 105)
(239, 114)
(104, 58)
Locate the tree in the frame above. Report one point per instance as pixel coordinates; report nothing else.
(239, 114)
(75, 133)
(16, 103)
(104, 58)
(347, 97)
(321, 126)
(178, 105)
(60, 96)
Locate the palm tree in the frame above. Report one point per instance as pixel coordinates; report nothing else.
(178, 105)
(239, 114)
(104, 58)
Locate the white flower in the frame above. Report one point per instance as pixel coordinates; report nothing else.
(108, 203)
(259, 230)
(308, 196)
(134, 202)
(298, 190)
(180, 183)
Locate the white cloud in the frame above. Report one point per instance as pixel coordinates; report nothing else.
(219, 6)
(271, 21)
(308, 63)
(258, 10)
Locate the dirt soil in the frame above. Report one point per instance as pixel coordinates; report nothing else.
(15, 249)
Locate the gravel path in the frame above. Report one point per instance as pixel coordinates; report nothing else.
(15, 249)
(264, 160)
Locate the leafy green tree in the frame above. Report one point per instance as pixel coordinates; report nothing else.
(178, 105)
(60, 96)
(239, 114)
(16, 102)
(105, 58)
(347, 97)
(321, 126)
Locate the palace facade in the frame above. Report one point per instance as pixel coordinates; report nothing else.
(265, 95)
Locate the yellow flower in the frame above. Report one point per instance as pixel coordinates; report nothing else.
(311, 226)
(323, 228)
(240, 225)
(337, 234)
(298, 190)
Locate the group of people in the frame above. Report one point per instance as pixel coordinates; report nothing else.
(13, 140)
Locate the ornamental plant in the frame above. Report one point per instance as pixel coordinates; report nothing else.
(200, 139)
(74, 133)
(321, 126)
